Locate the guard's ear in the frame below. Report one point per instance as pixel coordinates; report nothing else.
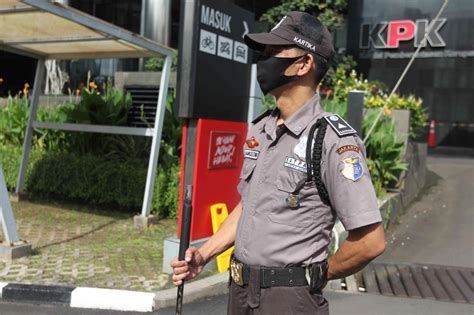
(301, 67)
(307, 64)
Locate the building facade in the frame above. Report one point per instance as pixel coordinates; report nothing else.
(384, 34)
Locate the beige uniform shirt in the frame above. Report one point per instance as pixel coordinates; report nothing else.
(270, 232)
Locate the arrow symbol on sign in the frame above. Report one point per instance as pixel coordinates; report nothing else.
(246, 27)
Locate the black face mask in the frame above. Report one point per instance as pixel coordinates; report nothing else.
(271, 72)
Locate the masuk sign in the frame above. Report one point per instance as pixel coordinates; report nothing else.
(220, 62)
(389, 34)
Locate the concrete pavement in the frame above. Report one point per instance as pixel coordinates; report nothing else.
(345, 303)
(340, 303)
(438, 227)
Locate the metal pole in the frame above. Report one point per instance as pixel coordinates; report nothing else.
(255, 101)
(422, 44)
(155, 145)
(6, 213)
(29, 129)
(156, 16)
(184, 240)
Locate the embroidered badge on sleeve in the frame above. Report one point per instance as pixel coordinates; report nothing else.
(348, 147)
(352, 168)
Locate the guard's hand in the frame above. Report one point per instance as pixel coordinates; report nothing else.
(189, 268)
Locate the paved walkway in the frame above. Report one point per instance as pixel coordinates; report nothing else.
(438, 227)
(81, 247)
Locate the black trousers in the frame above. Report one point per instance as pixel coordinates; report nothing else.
(251, 299)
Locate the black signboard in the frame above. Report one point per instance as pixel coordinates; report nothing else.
(217, 62)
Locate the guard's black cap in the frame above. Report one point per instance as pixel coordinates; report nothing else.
(296, 28)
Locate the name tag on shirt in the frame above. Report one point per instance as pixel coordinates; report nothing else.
(295, 164)
(251, 154)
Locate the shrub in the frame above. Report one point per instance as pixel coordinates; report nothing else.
(92, 179)
(10, 159)
(418, 115)
(375, 96)
(384, 152)
(14, 119)
(109, 109)
(157, 63)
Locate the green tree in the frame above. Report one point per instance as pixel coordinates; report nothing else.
(330, 12)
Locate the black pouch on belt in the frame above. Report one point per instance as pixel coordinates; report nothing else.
(317, 276)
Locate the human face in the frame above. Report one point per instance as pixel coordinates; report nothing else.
(285, 52)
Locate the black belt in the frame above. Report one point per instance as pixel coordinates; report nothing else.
(269, 277)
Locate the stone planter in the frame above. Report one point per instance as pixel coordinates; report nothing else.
(144, 78)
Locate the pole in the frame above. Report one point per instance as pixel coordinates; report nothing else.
(34, 100)
(157, 131)
(184, 240)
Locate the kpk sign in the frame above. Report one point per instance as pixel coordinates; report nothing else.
(389, 34)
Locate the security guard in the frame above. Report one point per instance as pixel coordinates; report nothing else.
(302, 169)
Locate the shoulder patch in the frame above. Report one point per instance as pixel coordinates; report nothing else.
(265, 114)
(339, 125)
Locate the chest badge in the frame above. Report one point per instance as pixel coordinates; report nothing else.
(292, 201)
(352, 168)
(252, 142)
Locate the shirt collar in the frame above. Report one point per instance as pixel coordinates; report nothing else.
(298, 122)
(271, 123)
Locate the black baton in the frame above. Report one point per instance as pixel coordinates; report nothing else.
(184, 239)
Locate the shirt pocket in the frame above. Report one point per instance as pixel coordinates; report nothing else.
(301, 216)
(245, 176)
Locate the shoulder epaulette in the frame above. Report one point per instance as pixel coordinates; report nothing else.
(339, 125)
(265, 114)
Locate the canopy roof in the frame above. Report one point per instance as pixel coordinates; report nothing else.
(50, 30)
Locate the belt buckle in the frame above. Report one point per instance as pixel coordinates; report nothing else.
(236, 272)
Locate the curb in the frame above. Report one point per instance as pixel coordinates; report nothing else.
(195, 290)
(109, 299)
(78, 297)
(118, 300)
